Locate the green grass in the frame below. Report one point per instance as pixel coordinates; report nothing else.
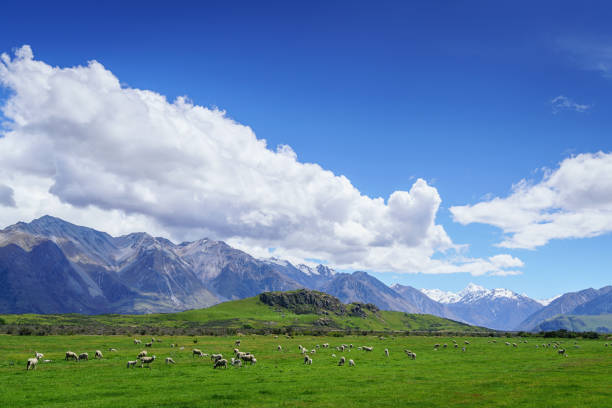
(249, 313)
(486, 375)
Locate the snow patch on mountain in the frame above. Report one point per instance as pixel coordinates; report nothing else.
(440, 295)
(546, 302)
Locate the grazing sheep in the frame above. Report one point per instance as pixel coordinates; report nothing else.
(463, 349)
(169, 360)
(334, 355)
(136, 341)
(83, 356)
(132, 363)
(325, 345)
(561, 351)
(445, 345)
(237, 343)
(507, 344)
(436, 346)
(313, 351)
(112, 350)
(466, 342)
(351, 363)
(152, 340)
(308, 361)
(143, 353)
(387, 352)
(236, 351)
(236, 362)
(220, 363)
(413, 355)
(182, 348)
(32, 362)
(197, 352)
(98, 354)
(216, 357)
(149, 344)
(279, 348)
(38, 355)
(342, 361)
(514, 345)
(72, 355)
(248, 357)
(365, 348)
(147, 361)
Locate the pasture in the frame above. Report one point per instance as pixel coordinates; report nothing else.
(485, 375)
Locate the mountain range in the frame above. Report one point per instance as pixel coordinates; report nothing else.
(52, 266)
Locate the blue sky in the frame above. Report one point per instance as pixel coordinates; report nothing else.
(383, 93)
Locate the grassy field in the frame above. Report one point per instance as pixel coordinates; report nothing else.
(485, 375)
(249, 313)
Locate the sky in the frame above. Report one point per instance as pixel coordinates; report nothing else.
(430, 144)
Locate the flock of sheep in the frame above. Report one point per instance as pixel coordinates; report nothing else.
(240, 357)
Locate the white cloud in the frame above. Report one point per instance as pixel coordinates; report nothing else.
(561, 103)
(589, 54)
(82, 147)
(573, 201)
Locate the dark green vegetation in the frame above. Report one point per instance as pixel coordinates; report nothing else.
(301, 310)
(485, 375)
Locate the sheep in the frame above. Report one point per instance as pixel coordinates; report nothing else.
(507, 344)
(32, 362)
(413, 355)
(197, 352)
(236, 362)
(169, 360)
(83, 356)
(237, 343)
(445, 345)
(220, 363)
(351, 363)
(308, 361)
(216, 357)
(249, 357)
(334, 355)
(38, 355)
(466, 342)
(342, 360)
(279, 348)
(436, 346)
(313, 351)
(325, 345)
(147, 361)
(149, 344)
(98, 354)
(276, 337)
(366, 348)
(182, 348)
(136, 341)
(456, 345)
(152, 340)
(47, 361)
(387, 352)
(72, 355)
(463, 348)
(514, 345)
(561, 351)
(236, 351)
(172, 345)
(132, 363)
(112, 350)
(143, 353)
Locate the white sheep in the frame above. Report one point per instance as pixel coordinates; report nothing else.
(387, 352)
(466, 342)
(325, 345)
(197, 352)
(351, 363)
(366, 348)
(72, 355)
(237, 343)
(132, 363)
(236, 362)
(561, 351)
(342, 361)
(169, 360)
(136, 341)
(279, 348)
(112, 350)
(98, 354)
(308, 361)
(83, 356)
(149, 344)
(248, 358)
(32, 362)
(313, 351)
(147, 361)
(38, 355)
(220, 363)
(216, 357)
(143, 353)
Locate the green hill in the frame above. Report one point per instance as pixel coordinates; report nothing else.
(276, 311)
(578, 323)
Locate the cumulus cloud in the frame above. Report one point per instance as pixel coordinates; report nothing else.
(6, 196)
(561, 103)
(81, 146)
(572, 201)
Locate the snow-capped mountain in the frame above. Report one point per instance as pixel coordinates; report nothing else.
(546, 302)
(498, 308)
